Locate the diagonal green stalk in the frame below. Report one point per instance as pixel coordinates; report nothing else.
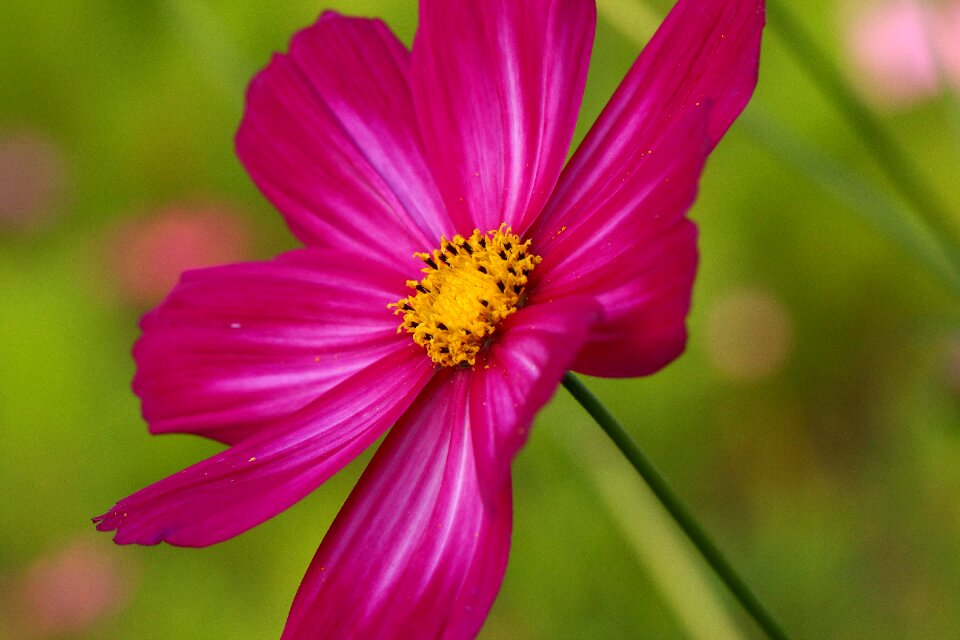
(658, 544)
(669, 500)
(885, 213)
(901, 173)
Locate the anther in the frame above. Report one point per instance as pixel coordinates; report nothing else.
(463, 296)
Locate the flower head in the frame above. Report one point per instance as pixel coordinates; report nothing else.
(454, 268)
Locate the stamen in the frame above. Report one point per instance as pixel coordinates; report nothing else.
(464, 295)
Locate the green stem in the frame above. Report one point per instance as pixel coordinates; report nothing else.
(891, 158)
(668, 498)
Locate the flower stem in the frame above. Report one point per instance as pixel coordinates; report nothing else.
(669, 500)
(658, 544)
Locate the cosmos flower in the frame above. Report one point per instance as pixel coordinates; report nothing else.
(454, 269)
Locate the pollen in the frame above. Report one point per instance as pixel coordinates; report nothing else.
(470, 286)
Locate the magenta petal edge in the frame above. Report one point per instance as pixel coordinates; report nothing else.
(454, 267)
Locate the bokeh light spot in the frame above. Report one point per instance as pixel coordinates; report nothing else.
(32, 180)
(749, 334)
(148, 254)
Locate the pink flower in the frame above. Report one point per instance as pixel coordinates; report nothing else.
(455, 152)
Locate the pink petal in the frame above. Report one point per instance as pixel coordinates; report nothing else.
(416, 551)
(330, 137)
(420, 548)
(239, 346)
(637, 256)
(644, 323)
(614, 227)
(497, 86)
(521, 372)
(253, 481)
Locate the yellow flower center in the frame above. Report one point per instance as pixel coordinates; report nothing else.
(470, 285)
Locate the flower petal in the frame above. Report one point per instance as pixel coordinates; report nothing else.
(617, 213)
(420, 548)
(236, 347)
(253, 481)
(330, 137)
(644, 317)
(637, 256)
(497, 87)
(416, 552)
(521, 372)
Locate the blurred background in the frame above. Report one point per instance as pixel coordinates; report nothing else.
(812, 425)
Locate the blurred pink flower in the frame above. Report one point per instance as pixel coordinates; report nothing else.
(374, 154)
(70, 590)
(902, 50)
(32, 180)
(147, 255)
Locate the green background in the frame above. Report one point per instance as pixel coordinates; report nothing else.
(832, 478)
